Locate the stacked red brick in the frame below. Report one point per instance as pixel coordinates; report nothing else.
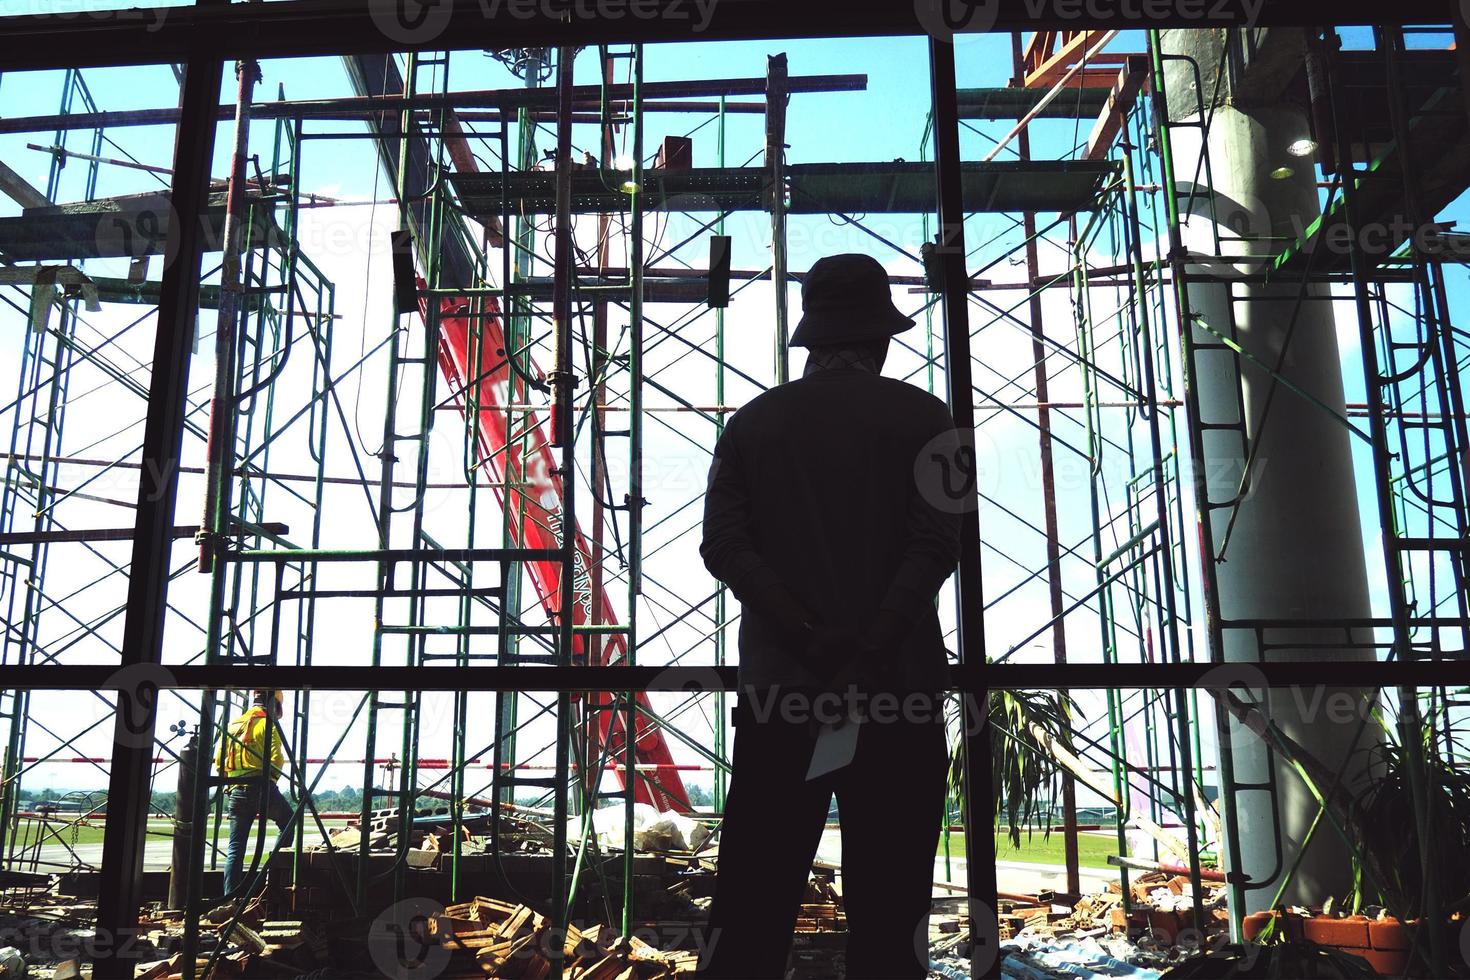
(1384, 942)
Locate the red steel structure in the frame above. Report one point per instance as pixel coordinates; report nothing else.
(530, 489)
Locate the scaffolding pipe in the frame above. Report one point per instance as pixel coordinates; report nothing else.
(979, 814)
(635, 485)
(776, 89)
(563, 432)
(1041, 386)
(220, 444)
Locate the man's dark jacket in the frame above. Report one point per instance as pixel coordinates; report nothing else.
(814, 488)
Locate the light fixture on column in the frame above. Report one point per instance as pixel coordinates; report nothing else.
(624, 162)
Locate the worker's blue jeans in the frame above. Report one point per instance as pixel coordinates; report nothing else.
(244, 806)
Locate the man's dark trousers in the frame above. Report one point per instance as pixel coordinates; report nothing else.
(890, 801)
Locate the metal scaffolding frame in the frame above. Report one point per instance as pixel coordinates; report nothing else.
(1151, 594)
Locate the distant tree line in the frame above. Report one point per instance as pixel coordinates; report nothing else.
(345, 800)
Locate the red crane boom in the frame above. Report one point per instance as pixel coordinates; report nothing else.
(530, 489)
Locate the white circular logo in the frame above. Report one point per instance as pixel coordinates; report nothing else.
(1237, 686)
(690, 680)
(984, 937)
(943, 19)
(1239, 220)
(410, 21)
(137, 688)
(145, 229)
(398, 941)
(947, 471)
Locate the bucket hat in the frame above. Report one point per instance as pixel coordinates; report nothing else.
(844, 299)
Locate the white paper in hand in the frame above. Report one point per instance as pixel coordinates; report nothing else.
(835, 747)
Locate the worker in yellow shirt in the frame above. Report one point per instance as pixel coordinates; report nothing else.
(243, 749)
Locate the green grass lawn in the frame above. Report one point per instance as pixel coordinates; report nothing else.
(1092, 849)
(1037, 849)
(57, 832)
(64, 831)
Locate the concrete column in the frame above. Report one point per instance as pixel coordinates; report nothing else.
(1296, 548)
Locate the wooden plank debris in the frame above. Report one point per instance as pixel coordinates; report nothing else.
(499, 939)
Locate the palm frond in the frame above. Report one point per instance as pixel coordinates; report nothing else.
(1024, 776)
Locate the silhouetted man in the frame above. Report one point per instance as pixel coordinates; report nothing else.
(833, 516)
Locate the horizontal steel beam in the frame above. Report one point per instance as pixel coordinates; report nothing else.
(505, 100)
(121, 534)
(393, 555)
(300, 28)
(1039, 676)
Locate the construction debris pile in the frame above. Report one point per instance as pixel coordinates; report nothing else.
(520, 830)
(1040, 936)
(56, 941)
(654, 830)
(431, 831)
(483, 937)
(498, 939)
(819, 946)
(42, 938)
(243, 945)
(1098, 936)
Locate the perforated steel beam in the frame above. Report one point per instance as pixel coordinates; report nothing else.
(153, 533)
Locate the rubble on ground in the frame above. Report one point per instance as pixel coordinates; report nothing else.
(57, 940)
(821, 907)
(819, 944)
(1099, 935)
(247, 944)
(54, 933)
(654, 831)
(520, 830)
(1083, 959)
(431, 834)
(489, 938)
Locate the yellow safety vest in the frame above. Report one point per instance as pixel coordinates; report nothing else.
(242, 749)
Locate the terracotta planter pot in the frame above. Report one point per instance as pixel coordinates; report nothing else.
(1255, 923)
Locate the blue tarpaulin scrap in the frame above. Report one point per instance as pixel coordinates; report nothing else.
(1065, 960)
(1070, 960)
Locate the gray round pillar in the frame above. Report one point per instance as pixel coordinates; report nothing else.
(1295, 549)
